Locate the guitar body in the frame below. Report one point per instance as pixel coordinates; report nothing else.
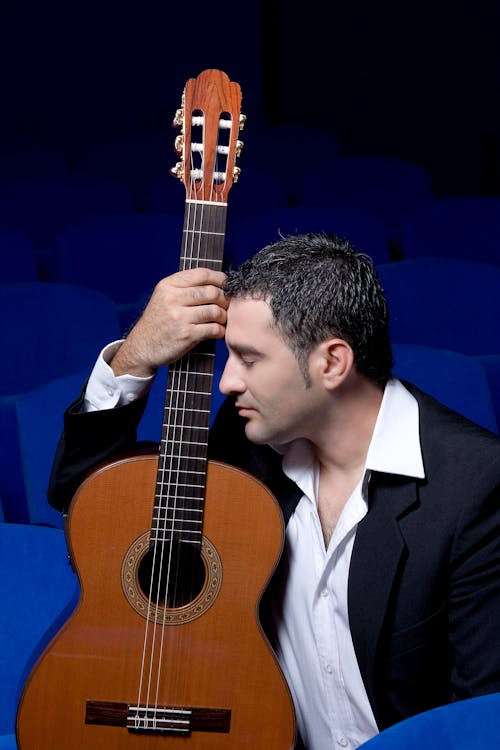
(117, 651)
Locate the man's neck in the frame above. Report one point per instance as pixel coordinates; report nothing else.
(341, 446)
(342, 440)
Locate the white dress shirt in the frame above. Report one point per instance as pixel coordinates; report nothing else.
(312, 635)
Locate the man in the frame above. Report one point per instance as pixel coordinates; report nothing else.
(387, 598)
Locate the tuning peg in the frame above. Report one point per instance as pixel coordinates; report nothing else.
(239, 147)
(243, 119)
(179, 143)
(178, 170)
(236, 174)
(179, 118)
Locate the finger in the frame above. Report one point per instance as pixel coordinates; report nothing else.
(206, 295)
(198, 277)
(210, 313)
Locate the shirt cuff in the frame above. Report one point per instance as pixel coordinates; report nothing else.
(105, 390)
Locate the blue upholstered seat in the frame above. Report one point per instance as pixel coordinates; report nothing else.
(472, 724)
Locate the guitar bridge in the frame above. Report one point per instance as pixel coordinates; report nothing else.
(163, 720)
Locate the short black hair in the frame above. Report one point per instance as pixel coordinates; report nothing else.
(317, 287)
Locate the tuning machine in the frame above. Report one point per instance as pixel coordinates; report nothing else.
(178, 170)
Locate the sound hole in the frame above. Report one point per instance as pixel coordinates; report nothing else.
(171, 574)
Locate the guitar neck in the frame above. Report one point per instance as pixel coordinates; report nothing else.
(180, 488)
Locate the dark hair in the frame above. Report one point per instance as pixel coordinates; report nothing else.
(318, 286)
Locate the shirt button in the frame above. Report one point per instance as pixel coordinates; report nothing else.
(324, 592)
(343, 742)
(131, 397)
(328, 668)
(110, 391)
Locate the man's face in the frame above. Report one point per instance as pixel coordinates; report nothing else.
(264, 375)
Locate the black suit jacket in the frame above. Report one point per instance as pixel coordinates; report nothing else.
(424, 581)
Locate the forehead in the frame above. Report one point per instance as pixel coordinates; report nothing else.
(249, 323)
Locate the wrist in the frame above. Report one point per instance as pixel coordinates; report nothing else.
(126, 360)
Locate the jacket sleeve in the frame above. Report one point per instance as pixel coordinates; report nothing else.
(88, 440)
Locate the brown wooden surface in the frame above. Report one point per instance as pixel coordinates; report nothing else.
(219, 660)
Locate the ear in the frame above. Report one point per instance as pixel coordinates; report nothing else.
(335, 361)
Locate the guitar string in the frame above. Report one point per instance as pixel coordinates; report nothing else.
(172, 468)
(192, 259)
(150, 637)
(179, 385)
(190, 254)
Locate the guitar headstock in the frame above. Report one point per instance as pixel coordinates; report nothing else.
(210, 119)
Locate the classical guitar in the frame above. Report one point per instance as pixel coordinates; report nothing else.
(173, 552)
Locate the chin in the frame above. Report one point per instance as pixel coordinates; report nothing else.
(255, 435)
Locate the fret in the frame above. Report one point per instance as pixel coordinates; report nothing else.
(187, 437)
(176, 472)
(191, 408)
(179, 470)
(179, 503)
(169, 514)
(192, 373)
(183, 433)
(184, 451)
(191, 457)
(188, 392)
(172, 520)
(172, 486)
(164, 538)
(206, 232)
(180, 484)
(178, 528)
(175, 530)
(203, 262)
(162, 501)
(182, 461)
(188, 443)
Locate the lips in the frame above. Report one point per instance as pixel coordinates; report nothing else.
(243, 410)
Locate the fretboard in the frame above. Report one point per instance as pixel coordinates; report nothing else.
(181, 479)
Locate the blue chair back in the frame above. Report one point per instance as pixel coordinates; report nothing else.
(287, 150)
(459, 227)
(132, 253)
(40, 425)
(40, 589)
(454, 379)
(382, 186)
(44, 204)
(447, 303)
(51, 329)
(366, 232)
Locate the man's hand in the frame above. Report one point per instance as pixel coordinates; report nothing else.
(184, 309)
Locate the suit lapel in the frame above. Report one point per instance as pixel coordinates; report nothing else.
(378, 550)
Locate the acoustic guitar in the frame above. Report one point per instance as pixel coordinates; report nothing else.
(173, 552)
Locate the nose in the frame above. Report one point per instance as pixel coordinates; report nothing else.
(231, 381)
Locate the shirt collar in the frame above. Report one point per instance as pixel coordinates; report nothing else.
(395, 444)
